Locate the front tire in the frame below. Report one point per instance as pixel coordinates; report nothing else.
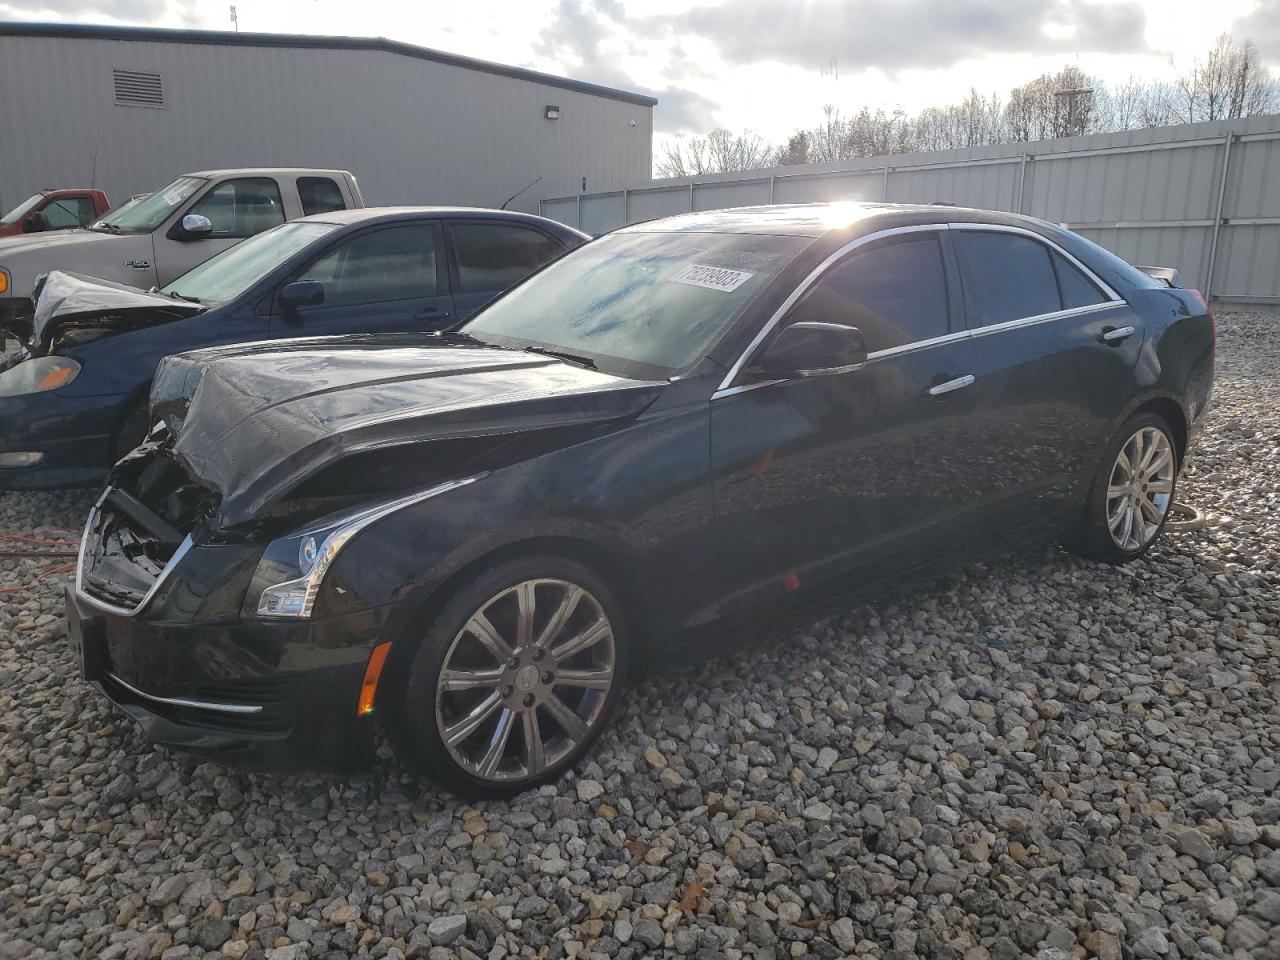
(514, 679)
(1129, 500)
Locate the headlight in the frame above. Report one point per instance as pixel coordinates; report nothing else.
(38, 375)
(292, 568)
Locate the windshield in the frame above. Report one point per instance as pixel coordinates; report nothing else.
(236, 269)
(146, 215)
(20, 211)
(653, 299)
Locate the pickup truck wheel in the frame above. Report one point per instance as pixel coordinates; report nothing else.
(131, 429)
(1129, 500)
(514, 679)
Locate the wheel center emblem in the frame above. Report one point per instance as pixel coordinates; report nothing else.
(526, 678)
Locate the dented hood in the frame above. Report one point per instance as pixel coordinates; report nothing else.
(65, 301)
(251, 422)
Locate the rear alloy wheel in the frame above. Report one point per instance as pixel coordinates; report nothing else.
(1140, 489)
(1132, 493)
(515, 680)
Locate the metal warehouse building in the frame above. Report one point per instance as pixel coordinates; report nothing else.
(132, 108)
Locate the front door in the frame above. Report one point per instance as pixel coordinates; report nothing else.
(387, 279)
(823, 483)
(237, 208)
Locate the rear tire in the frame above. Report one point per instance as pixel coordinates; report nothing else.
(1128, 502)
(514, 679)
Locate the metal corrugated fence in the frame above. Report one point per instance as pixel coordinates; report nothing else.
(1204, 198)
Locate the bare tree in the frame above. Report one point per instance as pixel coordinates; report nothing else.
(720, 151)
(1230, 82)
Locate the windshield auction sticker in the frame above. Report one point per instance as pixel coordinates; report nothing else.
(713, 278)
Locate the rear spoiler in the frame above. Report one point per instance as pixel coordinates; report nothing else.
(1167, 275)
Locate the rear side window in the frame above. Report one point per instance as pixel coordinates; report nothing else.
(394, 263)
(68, 212)
(241, 208)
(494, 256)
(1076, 289)
(895, 292)
(319, 195)
(1005, 277)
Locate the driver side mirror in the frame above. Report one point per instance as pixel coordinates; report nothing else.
(811, 348)
(36, 223)
(195, 227)
(301, 293)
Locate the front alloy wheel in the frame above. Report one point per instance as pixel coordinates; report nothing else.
(526, 678)
(515, 678)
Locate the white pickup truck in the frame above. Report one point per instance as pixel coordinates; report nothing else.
(160, 238)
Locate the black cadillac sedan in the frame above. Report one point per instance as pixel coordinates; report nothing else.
(681, 429)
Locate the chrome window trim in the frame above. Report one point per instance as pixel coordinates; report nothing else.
(103, 604)
(184, 702)
(728, 388)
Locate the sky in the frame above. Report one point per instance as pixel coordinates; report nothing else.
(768, 66)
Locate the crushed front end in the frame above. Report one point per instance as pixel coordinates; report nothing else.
(157, 616)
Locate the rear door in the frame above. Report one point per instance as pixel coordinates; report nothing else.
(384, 279)
(1054, 353)
(825, 483)
(239, 207)
(490, 256)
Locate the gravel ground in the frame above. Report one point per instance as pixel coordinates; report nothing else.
(1037, 757)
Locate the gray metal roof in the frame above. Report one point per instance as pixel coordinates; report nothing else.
(229, 38)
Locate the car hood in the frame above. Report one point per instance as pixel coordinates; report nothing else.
(251, 422)
(28, 243)
(66, 302)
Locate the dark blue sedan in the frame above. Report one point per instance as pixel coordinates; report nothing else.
(73, 397)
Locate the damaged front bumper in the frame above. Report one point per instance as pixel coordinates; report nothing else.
(157, 628)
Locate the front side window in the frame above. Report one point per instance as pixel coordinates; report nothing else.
(241, 208)
(1005, 277)
(319, 195)
(66, 212)
(149, 213)
(894, 291)
(391, 263)
(649, 304)
(494, 256)
(228, 274)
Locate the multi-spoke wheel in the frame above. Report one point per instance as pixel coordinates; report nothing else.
(515, 678)
(1141, 488)
(1131, 497)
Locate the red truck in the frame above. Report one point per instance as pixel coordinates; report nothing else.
(55, 210)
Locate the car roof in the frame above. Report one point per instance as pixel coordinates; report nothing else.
(376, 214)
(260, 171)
(819, 219)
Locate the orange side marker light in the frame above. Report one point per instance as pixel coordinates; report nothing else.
(371, 673)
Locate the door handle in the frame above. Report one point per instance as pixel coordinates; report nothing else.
(433, 313)
(950, 386)
(1115, 334)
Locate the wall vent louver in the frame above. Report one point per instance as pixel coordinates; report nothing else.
(135, 88)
